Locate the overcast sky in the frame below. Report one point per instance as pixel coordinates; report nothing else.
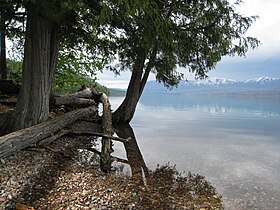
(264, 61)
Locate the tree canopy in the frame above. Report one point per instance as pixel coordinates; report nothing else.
(154, 36)
(81, 51)
(160, 35)
(50, 25)
(192, 34)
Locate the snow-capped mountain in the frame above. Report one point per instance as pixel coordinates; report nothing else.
(214, 81)
(262, 80)
(217, 85)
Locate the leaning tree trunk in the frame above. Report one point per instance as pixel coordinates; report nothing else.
(40, 59)
(138, 80)
(126, 110)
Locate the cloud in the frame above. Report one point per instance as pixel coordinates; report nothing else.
(262, 61)
(266, 28)
(115, 83)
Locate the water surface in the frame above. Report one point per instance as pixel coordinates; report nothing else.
(233, 141)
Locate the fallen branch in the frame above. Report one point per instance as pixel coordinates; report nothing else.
(83, 98)
(53, 137)
(99, 135)
(21, 139)
(106, 149)
(73, 101)
(113, 157)
(85, 93)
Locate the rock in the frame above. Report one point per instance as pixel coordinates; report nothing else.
(13, 182)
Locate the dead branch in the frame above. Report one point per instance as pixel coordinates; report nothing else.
(106, 149)
(21, 139)
(113, 157)
(53, 137)
(99, 135)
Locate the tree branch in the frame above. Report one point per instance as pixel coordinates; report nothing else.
(113, 157)
(99, 135)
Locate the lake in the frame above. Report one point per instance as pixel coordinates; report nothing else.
(233, 141)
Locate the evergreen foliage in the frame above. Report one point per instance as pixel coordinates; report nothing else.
(147, 36)
(81, 51)
(193, 34)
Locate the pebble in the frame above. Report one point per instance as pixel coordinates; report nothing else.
(90, 189)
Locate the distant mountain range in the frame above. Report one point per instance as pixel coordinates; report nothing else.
(217, 85)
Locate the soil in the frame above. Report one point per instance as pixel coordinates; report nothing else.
(65, 175)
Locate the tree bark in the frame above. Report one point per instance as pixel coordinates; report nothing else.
(138, 80)
(3, 65)
(106, 149)
(79, 99)
(71, 101)
(23, 138)
(40, 59)
(86, 93)
(126, 110)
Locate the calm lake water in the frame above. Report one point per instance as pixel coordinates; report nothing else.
(233, 141)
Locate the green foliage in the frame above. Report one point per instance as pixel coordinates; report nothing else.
(75, 68)
(15, 70)
(69, 81)
(12, 18)
(156, 35)
(82, 50)
(166, 34)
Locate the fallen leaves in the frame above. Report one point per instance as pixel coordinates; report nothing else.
(20, 206)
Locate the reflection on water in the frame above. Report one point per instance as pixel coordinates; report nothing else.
(164, 187)
(234, 142)
(133, 153)
(213, 103)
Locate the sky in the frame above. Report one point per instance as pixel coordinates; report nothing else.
(263, 61)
